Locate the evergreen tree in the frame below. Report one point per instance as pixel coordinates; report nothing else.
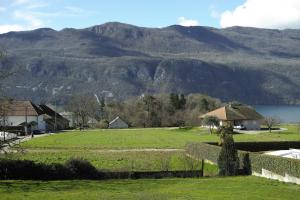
(204, 105)
(174, 100)
(228, 161)
(182, 102)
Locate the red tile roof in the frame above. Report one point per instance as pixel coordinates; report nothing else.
(235, 112)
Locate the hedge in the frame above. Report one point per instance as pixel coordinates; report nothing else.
(29, 170)
(249, 161)
(76, 169)
(265, 146)
(211, 152)
(275, 164)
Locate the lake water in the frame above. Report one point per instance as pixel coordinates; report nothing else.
(287, 114)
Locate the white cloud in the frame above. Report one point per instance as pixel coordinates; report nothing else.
(11, 27)
(187, 22)
(279, 14)
(31, 20)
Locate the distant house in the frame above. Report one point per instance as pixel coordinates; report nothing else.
(69, 116)
(53, 118)
(240, 116)
(34, 117)
(118, 123)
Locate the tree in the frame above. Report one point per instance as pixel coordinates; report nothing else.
(270, 122)
(83, 106)
(228, 161)
(5, 102)
(204, 105)
(182, 102)
(211, 122)
(5, 106)
(174, 101)
(151, 106)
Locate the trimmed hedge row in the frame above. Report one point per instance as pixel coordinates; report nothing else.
(203, 151)
(265, 146)
(276, 164)
(249, 161)
(75, 169)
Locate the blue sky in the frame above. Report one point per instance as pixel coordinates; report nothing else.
(18, 15)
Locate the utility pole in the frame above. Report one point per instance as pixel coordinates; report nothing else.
(55, 108)
(26, 128)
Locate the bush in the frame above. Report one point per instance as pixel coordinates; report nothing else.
(76, 169)
(81, 168)
(103, 124)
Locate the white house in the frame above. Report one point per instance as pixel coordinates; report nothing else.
(33, 117)
(240, 116)
(118, 123)
(25, 112)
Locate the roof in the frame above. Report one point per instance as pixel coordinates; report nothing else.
(235, 112)
(116, 119)
(48, 111)
(23, 108)
(27, 108)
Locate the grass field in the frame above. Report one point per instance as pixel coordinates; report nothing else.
(231, 188)
(145, 138)
(122, 161)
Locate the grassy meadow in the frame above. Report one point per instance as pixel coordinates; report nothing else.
(229, 188)
(146, 138)
(131, 145)
(122, 161)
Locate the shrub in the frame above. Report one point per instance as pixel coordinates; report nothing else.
(81, 168)
(103, 124)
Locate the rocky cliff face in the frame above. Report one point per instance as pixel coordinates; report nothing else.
(257, 66)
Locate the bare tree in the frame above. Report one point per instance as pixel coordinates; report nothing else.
(270, 122)
(4, 101)
(83, 106)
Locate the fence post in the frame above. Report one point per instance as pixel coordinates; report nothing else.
(202, 167)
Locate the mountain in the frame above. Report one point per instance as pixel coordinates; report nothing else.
(251, 65)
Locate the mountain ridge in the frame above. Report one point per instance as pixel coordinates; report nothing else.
(252, 65)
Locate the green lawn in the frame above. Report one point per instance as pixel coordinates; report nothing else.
(231, 188)
(122, 161)
(145, 138)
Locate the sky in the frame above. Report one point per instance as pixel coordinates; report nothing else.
(19, 15)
